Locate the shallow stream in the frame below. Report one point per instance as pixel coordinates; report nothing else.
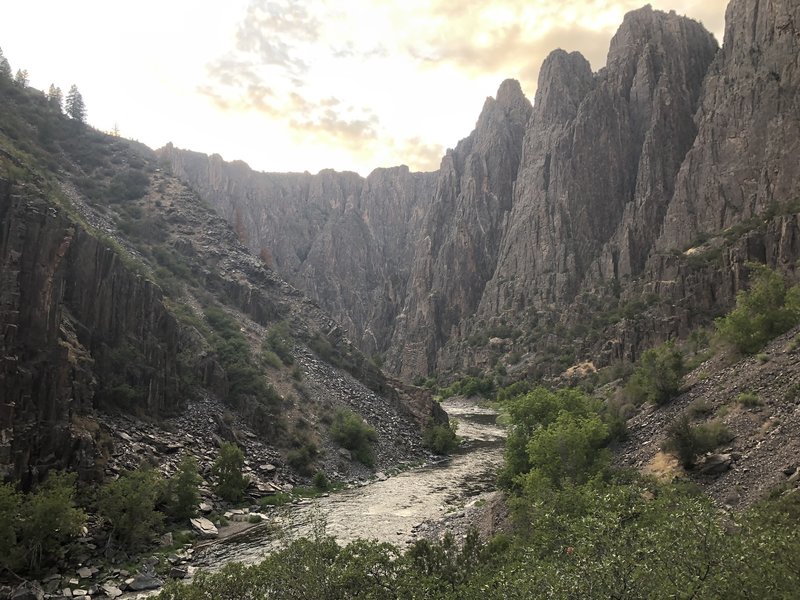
(390, 510)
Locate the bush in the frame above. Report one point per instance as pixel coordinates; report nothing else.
(657, 377)
(687, 441)
(441, 439)
(767, 310)
(35, 527)
(129, 504)
(231, 483)
(321, 482)
(130, 185)
(748, 400)
(280, 341)
(351, 432)
(183, 496)
(532, 415)
(278, 499)
(302, 458)
(469, 386)
(512, 391)
(268, 357)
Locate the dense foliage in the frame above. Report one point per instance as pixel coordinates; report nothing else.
(231, 483)
(351, 432)
(129, 504)
(35, 527)
(657, 377)
(182, 494)
(767, 309)
(469, 386)
(581, 530)
(441, 439)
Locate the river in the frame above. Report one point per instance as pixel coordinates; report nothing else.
(386, 511)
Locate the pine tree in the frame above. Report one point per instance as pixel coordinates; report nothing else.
(76, 109)
(55, 97)
(21, 78)
(5, 68)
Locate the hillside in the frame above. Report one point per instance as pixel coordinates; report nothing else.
(124, 296)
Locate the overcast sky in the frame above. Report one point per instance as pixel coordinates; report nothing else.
(294, 85)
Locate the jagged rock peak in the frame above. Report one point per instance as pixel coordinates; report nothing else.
(651, 38)
(510, 95)
(510, 104)
(564, 80)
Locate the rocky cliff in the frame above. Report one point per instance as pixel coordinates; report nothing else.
(124, 296)
(616, 212)
(346, 241)
(458, 246)
(69, 309)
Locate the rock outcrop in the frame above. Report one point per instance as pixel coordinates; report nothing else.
(458, 246)
(600, 155)
(69, 308)
(123, 294)
(744, 159)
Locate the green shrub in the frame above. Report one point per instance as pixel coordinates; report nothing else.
(700, 408)
(268, 357)
(278, 499)
(657, 377)
(227, 469)
(351, 432)
(130, 185)
(441, 439)
(321, 482)
(512, 391)
(765, 311)
(301, 459)
(129, 504)
(469, 386)
(748, 400)
(687, 441)
(533, 414)
(182, 492)
(35, 527)
(279, 339)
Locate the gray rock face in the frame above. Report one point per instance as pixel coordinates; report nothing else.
(67, 301)
(592, 193)
(744, 158)
(457, 251)
(600, 154)
(346, 241)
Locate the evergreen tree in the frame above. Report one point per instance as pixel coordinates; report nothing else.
(76, 109)
(228, 471)
(21, 78)
(55, 97)
(5, 68)
(182, 490)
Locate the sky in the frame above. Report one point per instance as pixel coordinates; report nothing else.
(302, 85)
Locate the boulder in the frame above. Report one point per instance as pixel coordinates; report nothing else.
(111, 591)
(204, 527)
(715, 464)
(143, 581)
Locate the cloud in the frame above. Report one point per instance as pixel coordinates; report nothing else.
(273, 31)
(326, 70)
